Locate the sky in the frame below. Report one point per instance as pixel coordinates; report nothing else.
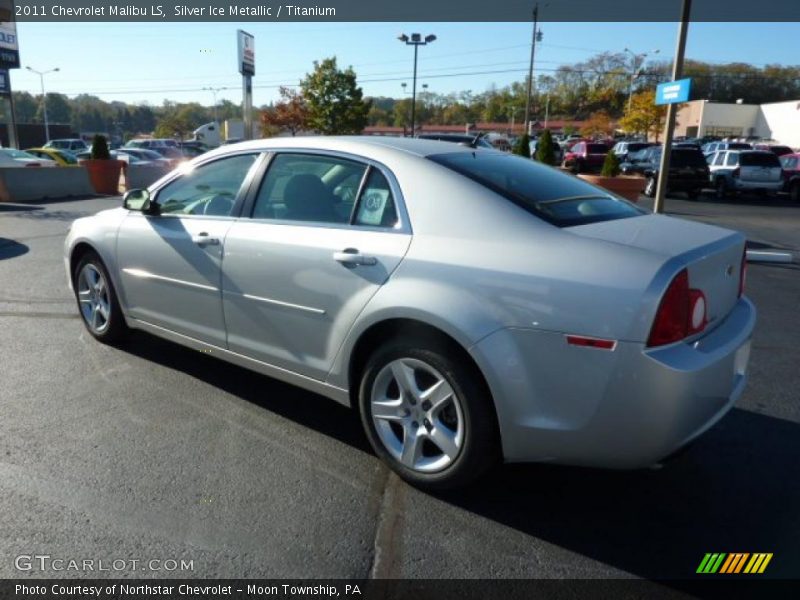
(151, 62)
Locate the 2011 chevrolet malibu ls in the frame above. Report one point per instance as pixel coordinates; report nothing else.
(471, 305)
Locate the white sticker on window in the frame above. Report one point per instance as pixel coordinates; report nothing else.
(370, 211)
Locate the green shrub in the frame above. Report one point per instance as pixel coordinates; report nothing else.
(610, 165)
(100, 148)
(523, 146)
(545, 152)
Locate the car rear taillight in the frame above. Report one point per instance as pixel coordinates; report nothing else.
(742, 273)
(736, 172)
(682, 312)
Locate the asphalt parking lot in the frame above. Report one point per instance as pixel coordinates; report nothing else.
(153, 451)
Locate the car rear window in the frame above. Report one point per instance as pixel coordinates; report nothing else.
(738, 146)
(687, 158)
(597, 149)
(555, 197)
(759, 159)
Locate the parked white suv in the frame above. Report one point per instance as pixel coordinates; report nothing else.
(745, 170)
(73, 145)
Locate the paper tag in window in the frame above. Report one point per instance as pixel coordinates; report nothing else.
(370, 212)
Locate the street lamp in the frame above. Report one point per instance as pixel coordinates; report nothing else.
(41, 75)
(636, 70)
(415, 40)
(214, 91)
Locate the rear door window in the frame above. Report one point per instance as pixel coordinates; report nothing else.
(732, 160)
(309, 187)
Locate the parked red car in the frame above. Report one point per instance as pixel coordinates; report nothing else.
(790, 163)
(586, 156)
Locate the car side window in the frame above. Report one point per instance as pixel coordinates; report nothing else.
(376, 206)
(732, 160)
(719, 159)
(309, 187)
(210, 189)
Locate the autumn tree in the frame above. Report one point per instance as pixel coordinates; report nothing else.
(598, 123)
(644, 117)
(335, 102)
(290, 113)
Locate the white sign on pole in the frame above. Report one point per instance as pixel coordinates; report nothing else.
(247, 53)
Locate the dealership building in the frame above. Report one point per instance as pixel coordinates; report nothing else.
(779, 121)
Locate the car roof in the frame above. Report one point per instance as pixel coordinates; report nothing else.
(354, 144)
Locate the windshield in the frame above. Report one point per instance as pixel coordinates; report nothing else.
(559, 199)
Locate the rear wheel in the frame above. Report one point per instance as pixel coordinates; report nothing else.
(721, 188)
(692, 194)
(97, 299)
(428, 415)
(794, 191)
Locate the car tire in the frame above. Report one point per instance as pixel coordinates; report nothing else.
(650, 187)
(794, 191)
(436, 446)
(692, 194)
(97, 300)
(721, 188)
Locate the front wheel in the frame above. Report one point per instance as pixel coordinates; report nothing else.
(97, 299)
(427, 415)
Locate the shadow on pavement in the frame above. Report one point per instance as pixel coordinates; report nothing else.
(306, 408)
(737, 489)
(11, 249)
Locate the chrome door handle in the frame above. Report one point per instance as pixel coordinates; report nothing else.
(202, 239)
(352, 257)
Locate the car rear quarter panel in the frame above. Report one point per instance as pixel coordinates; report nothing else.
(477, 263)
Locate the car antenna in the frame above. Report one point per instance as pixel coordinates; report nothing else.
(473, 143)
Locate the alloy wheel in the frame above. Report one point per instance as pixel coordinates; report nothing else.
(417, 415)
(93, 296)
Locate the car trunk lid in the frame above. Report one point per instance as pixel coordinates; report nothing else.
(711, 254)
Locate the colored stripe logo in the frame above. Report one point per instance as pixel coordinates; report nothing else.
(736, 562)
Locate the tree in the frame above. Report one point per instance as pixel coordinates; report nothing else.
(25, 107)
(59, 109)
(644, 117)
(523, 146)
(545, 153)
(173, 125)
(598, 123)
(611, 166)
(335, 103)
(290, 113)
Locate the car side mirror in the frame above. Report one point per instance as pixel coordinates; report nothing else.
(139, 200)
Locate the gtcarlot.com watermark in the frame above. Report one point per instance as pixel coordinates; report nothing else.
(48, 563)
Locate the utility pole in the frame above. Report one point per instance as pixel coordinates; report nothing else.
(677, 72)
(530, 70)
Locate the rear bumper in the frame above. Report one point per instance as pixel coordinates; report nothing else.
(770, 186)
(625, 408)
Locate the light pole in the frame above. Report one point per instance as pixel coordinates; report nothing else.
(214, 92)
(415, 40)
(41, 75)
(636, 70)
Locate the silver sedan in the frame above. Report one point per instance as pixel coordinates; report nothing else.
(472, 306)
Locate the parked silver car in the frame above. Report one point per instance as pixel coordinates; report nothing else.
(470, 304)
(756, 171)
